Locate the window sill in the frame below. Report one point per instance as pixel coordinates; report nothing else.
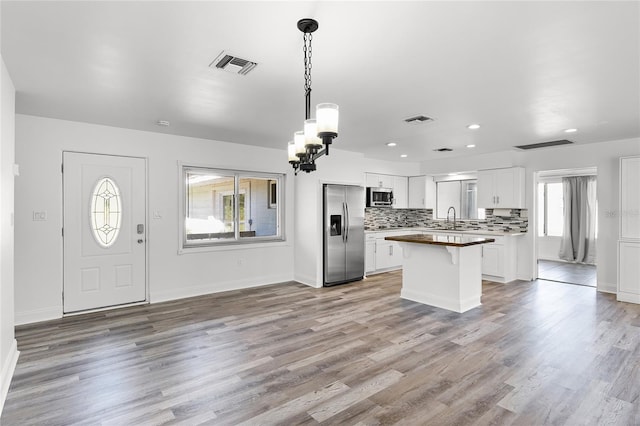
(233, 246)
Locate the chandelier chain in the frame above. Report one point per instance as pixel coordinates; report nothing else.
(307, 60)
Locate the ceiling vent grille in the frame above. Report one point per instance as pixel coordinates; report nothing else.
(418, 119)
(443, 150)
(232, 64)
(545, 144)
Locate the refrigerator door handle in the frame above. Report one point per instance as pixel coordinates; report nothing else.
(344, 222)
(347, 224)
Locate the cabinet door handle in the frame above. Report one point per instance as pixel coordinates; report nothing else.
(390, 250)
(498, 199)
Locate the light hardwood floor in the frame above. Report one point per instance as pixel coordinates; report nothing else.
(571, 273)
(533, 353)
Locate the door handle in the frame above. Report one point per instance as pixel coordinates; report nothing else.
(140, 241)
(346, 222)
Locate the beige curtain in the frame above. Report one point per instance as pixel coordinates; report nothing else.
(579, 237)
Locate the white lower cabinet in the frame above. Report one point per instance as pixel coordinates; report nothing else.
(493, 259)
(499, 259)
(382, 255)
(388, 254)
(370, 256)
(629, 271)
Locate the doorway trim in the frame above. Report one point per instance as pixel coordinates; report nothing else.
(533, 216)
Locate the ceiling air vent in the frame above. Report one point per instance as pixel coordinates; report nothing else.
(545, 144)
(418, 119)
(232, 64)
(443, 150)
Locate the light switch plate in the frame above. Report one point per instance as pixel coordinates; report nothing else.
(39, 216)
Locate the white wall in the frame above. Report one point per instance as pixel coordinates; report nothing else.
(603, 155)
(549, 248)
(340, 167)
(8, 348)
(38, 275)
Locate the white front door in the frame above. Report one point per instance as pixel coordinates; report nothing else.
(104, 230)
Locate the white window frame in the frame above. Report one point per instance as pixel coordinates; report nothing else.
(197, 245)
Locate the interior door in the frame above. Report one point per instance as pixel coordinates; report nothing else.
(104, 231)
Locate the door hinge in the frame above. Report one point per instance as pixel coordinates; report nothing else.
(63, 232)
(61, 168)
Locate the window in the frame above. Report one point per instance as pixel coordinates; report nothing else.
(550, 209)
(230, 207)
(106, 213)
(459, 194)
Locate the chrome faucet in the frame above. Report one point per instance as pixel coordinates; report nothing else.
(454, 216)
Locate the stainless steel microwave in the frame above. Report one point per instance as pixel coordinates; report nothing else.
(379, 197)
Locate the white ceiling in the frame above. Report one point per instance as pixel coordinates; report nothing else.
(524, 70)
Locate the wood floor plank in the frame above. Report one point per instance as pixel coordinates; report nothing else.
(357, 354)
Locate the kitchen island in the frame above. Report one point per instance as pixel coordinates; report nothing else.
(444, 271)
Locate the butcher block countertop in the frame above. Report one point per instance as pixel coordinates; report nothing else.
(441, 240)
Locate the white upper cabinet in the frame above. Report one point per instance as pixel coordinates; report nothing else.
(422, 192)
(379, 181)
(501, 188)
(400, 192)
(630, 198)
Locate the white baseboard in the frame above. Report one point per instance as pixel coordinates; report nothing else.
(8, 369)
(427, 298)
(607, 288)
(524, 278)
(37, 315)
(628, 297)
(217, 287)
(309, 280)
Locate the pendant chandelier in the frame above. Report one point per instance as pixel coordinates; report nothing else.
(313, 142)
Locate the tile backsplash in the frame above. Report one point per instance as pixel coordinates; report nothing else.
(388, 218)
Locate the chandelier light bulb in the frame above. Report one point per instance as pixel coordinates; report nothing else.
(311, 139)
(292, 152)
(327, 119)
(298, 142)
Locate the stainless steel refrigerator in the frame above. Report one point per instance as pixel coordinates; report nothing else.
(343, 233)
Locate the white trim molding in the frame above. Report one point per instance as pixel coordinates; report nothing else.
(38, 315)
(7, 372)
(217, 287)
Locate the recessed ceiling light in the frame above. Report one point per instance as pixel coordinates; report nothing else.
(571, 130)
(471, 145)
(163, 123)
(403, 155)
(392, 144)
(473, 126)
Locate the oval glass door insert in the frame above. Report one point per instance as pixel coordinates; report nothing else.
(106, 212)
